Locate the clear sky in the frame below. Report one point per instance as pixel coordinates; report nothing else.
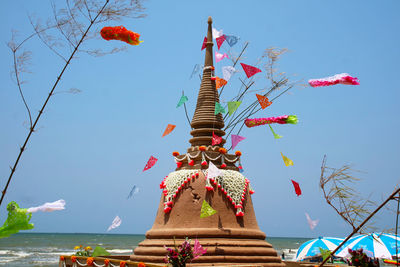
(90, 148)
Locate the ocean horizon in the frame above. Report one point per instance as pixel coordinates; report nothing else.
(44, 249)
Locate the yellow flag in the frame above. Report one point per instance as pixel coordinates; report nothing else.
(206, 210)
(287, 161)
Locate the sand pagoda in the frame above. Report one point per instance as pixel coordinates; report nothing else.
(231, 236)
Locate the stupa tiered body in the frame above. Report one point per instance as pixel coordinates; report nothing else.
(231, 236)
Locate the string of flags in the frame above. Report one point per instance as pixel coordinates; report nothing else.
(120, 33)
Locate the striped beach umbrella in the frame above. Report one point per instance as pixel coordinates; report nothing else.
(371, 244)
(389, 240)
(311, 247)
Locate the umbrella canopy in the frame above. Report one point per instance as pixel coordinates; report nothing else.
(311, 247)
(371, 244)
(389, 240)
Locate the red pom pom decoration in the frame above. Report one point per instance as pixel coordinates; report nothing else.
(179, 164)
(213, 78)
(191, 163)
(239, 214)
(204, 163)
(223, 166)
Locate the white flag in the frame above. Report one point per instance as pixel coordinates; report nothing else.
(217, 33)
(228, 71)
(213, 171)
(116, 222)
(48, 207)
(311, 223)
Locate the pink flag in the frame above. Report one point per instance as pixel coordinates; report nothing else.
(220, 40)
(296, 187)
(342, 78)
(236, 139)
(250, 70)
(204, 43)
(150, 163)
(216, 140)
(219, 57)
(310, 222)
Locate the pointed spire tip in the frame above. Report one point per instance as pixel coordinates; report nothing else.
(209, 20)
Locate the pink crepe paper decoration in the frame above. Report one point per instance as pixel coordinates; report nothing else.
(250, 70)
(296, 187)
(150, 163)
(220, 40)
(204, 43)
(342, 78)
(216, 140)
(292, 119)
(219, 57)
(236, 139)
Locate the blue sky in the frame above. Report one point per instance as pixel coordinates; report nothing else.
(90, 148)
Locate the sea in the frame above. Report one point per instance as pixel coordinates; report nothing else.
(44, 249)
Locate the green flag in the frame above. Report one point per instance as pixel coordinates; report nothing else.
(206, 210)
(182, 101)
(277, 136)
(18, 219)
(219, 108)
(232, 106)
(99, 251)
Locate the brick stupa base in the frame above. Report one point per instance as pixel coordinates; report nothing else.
(229, 240)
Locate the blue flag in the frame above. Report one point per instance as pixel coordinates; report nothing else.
(231, 39)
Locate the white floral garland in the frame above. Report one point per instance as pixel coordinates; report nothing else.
(232, 183)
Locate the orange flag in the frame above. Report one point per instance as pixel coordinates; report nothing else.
(219, 82)
(169, 129)
(264, 102)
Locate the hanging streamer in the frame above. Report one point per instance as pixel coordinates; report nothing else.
(49, 206)
(342, 78)
(286, 119)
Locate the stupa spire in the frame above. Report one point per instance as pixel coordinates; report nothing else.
(204, 121)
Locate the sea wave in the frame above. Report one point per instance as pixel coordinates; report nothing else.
(120, 251)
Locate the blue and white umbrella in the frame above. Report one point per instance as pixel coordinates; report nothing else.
(371, 244)
(311, 247)
(389, 240)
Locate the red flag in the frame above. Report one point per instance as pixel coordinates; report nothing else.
(296, 188)
(150, 163)
(216, 140)
(263, 100)
(204, 43)
(169, 129)
(220, 40)
(250, 70)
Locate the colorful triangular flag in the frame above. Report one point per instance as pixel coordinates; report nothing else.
(115, 223)
(213, 171)
(133, 191)
(264, 101)
(196, 69)
(236, 139)
(219, 82)
(227, 72)
(206, 210)
(216, 140)
(217, 33)
(220, 40)
(17, 219)
(288, 162)
(169, 129)
(182, 101)
(296, 187)
(250, 70)
(276, 136)
(231, 40)
(150, 163)
(219, 108)
(219, 57)
(233, 106)
(204, 43)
